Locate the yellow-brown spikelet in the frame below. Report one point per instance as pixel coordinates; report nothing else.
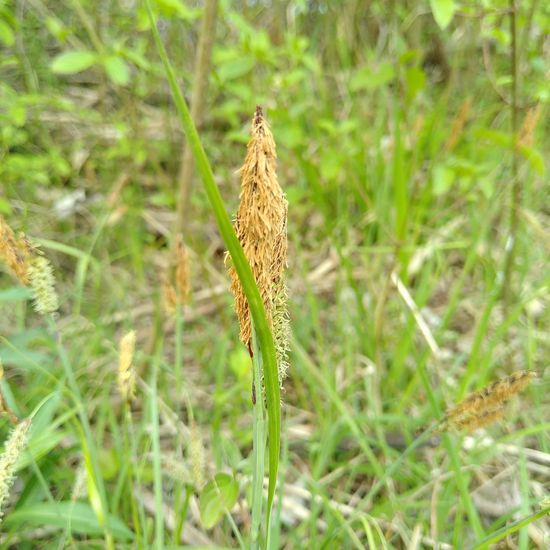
(15, 252)
(458, 125)
(261, 226)
(472, 423)
(126, 371)
(196, 455)
(182, 271)
(30, 267)
(478, 407)
(8, 460)
(527, 130)
(169, 296)
(42, 283)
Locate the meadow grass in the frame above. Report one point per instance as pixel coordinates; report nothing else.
(384, 187)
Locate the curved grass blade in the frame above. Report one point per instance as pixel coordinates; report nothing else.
(263, 331)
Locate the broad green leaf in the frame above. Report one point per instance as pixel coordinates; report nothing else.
(39, 446)
(416, 81)
(177, 8)
(235, 68)
(117, 70)
(369, 79)
(443, 11)
(219, 495)
(73, 62)
(7, 38)
(78, 515)
(534, 157)
(15, 293)
(443, 178)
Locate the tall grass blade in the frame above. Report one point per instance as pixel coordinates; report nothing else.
(265, 339)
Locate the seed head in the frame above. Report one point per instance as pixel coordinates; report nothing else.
(182, 271)
(30, 267)
(527, 131)
(15, 252)
(8, 461)
(486, 405)
(126, 372)
(196, 454)
(42, 283)
(261, 226)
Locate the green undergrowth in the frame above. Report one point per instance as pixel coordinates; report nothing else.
(392, 202)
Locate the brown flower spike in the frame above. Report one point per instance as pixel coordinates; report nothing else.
(261, 228)
(30, 267)
(486, 405)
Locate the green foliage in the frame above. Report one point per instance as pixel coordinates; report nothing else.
(443, 11)
(385, 183)
(217, 498)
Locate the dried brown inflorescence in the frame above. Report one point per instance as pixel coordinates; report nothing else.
(486, 405)
(261, 227)
(458, 125)
(30, 267)
(182, 271)
(126, 371)
(15, 252)
(527, 131)
(176, 283)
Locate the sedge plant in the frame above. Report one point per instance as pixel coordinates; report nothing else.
(242, 268)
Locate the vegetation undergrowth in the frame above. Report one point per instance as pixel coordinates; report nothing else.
(135, 405)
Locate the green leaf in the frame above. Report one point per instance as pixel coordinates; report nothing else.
(235, 68)
(15, 293)
(78, 515)
(443, 11)
(369, 79)
(443, 178)
(73, 62)
(117, 70)
(534, 157)
(416, 81)
(176, 8)
(219, 495)
(7, 38)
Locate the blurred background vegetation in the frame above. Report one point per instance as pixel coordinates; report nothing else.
(412, 140)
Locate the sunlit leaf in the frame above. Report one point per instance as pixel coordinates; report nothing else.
(219, 495)
(78, 515)
(443, 11)
(73, 62)
(117, 70)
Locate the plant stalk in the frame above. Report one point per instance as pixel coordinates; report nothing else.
(258, 447)
(198, 96)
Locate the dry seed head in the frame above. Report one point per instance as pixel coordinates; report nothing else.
(196, 455)
(8, 461)
(169, 296)
(15, 252)
(126, 371)
(483, 404)
(458, 125)
(80, 483)
(261, 228)
(472, 423)
(42, 283)
(182, 271)
(527, 131)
